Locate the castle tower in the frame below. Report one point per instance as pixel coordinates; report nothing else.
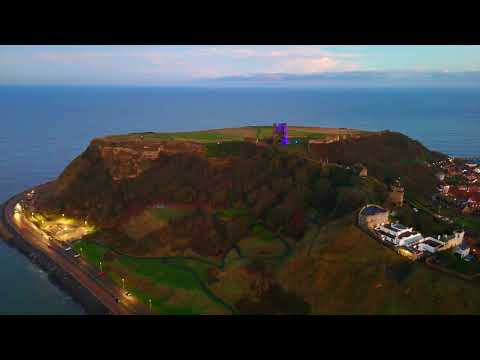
(397, 193)
(280, 133)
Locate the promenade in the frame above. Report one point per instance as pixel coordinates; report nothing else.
(104, 291)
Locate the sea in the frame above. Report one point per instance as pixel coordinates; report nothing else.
(44, 128)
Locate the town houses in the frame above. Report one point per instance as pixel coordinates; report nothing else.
(464, 197)
(459, 185)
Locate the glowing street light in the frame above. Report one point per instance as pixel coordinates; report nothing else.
(63, 215)
(150, 304)
(101, 267)
(123, 284)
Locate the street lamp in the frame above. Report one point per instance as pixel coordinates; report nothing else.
(101, 266)
(123, 284)
(150, 304)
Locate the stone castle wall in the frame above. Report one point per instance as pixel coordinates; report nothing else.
(371, 221)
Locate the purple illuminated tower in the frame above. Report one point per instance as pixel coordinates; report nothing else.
(281, 130)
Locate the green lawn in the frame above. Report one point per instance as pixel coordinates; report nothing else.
(454, 262)
(92, 252)
(262, 243)
(160, 272)
(469, 223)
(263, 131)
(167, 213)
(202, 136)
(199, 267)
(230, 213)
(177, 274)
(193, 135)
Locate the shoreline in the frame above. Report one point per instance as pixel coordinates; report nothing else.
(57, 275)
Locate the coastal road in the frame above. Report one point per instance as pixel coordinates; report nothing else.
(104, 290)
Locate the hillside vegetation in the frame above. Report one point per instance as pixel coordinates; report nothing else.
(205, 222)
(388, 156)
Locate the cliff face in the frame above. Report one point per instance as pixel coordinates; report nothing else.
(131, 159)
(109, 178)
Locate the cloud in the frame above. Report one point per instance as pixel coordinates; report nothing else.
(266, 52)
(314, 65)
(69, 58)
(201, 61)
(245, 52)
(310, 52)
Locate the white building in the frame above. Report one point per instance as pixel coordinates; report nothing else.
(399, 234)
(463, 250)
(430, 244)
(440, 176)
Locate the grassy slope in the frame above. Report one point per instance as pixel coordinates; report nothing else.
(173, 288)
(347, 272)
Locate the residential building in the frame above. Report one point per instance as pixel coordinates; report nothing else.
(440, 176)
(452, 241)
(443, 189)
(399, 235)
(430, 244)
(463, 250)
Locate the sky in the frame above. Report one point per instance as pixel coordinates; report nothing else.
(169, 65)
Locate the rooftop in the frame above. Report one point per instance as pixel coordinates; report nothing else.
(386, 234)
(408, 234)
(399, 226)
(373, 210)
(432, 243)
(396, 227)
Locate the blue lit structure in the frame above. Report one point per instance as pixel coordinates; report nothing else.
(281, 130)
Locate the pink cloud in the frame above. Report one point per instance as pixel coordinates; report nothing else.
(314, 65)
(308, 51)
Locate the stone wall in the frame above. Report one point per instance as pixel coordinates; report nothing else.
(396, 196)
(371, 221)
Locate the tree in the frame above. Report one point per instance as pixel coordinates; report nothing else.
(296, 226)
